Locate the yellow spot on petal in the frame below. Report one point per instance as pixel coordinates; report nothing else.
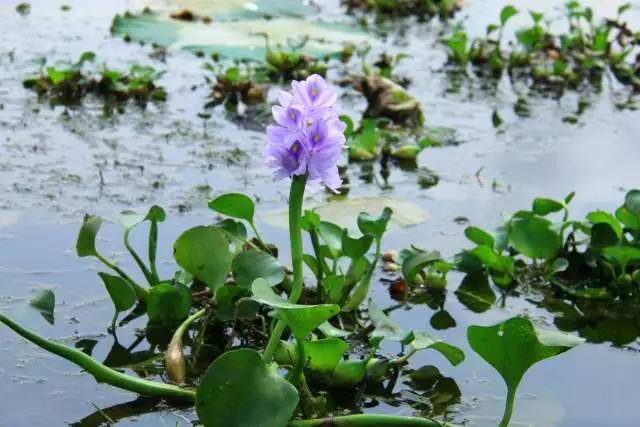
(316, 138)
(294, 148)
(314, 91)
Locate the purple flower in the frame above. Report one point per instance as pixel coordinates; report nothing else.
(308, 136)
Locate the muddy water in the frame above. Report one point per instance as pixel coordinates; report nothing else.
(54, 168)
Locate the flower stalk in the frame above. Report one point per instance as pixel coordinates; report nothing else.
(296, 197)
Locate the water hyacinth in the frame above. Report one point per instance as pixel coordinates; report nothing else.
(308, 136)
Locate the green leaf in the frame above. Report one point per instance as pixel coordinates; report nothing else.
(349, 373)
(121, 292)
(204, 252)
(507, 13)
(234, 303)
(533, 236)
(239, 389)
(628, 218)
(334, 287)
(45, 303)
(86, 243)
(332, 236)
(375, 227)
(415, 263)
(235, 205)
(513, 346)
(249, 265)
(386, 328)
(475, 293)
(330, 331)
(479, 236)
(406, 152)
(622, 255)
(603, 235)
(602, 217)
(542, 206)
(168, 304)
(301, 319)
(355, 248)
(422, 341)
(632, 201)
(322, 355)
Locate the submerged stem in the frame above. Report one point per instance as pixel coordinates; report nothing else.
(366, 420)
(296, 197)
(99, 371)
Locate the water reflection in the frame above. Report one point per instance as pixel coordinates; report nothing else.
(615, 321)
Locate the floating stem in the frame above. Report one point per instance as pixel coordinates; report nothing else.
(99, 371)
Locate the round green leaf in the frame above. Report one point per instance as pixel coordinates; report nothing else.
(235, 205)
(239, 389)
(249, 265)
(168, 304)
(513, 346)
(204, 252)
(533, 236)
(632, 201)
(121, 292)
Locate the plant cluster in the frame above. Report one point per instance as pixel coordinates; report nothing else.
(423, 9)
(597, 258)
(236, 85)
(381, 139)
(545, 60)
(68, 83)
(228, 281)
(276, 347)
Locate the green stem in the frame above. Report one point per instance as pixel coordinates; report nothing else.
(316, 250)
(366, 420)
(141, 293)
(508, 409)
(296, 197)
(295, 234)
(153, 247)
(137, 259)
(99, 371)
(255, 231)
(361, 290)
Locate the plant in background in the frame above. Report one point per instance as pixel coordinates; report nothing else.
(549, 62)
(68, 83)
(423, 9)
(237, 86)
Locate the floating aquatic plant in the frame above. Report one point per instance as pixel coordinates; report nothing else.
(231, 278)
(68, 83)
